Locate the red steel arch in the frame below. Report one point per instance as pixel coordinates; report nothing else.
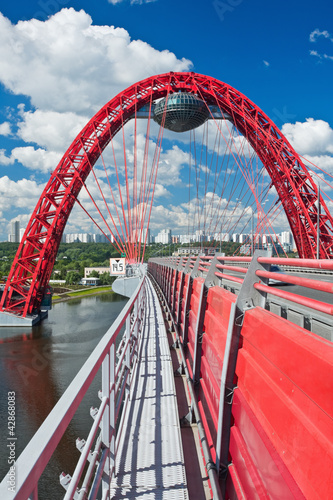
(33, 264)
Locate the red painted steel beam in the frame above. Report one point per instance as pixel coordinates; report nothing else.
(298, 299)
(323, 286)
(232, 268)
(229, 277)
(312, 263)
(290, 177)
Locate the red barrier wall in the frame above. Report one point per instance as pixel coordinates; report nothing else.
(192, 319)
(285, 375)
(281, 435)
(181, 320)
(216, 323)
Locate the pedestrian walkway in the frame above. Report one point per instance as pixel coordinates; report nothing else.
(150, 463)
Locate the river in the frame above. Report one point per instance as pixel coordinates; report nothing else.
(38, 363)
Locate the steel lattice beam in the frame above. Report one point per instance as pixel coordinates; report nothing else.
(33, 264)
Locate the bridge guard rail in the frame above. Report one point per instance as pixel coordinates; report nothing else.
(262, 383)
(100, 448)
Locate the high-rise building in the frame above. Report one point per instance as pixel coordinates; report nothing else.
(224, 236)
(164, 236)
(14, 236)
(286, 237)
(145, 233)
(186, 238)
(244, 238)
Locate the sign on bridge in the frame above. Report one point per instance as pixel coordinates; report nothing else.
(118, 267)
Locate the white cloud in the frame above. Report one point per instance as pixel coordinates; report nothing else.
(21, 194)
(50, 129)
(314, 35)
(141, 2)
(170, 165)
(36, 159)
(4, 160)
(168, 217)
(317, 33)
(69, 67)
(320, 56)
(310, 137)
(68, 64)
(133, 2)
(31, 158)
(324, 162)
(5, 128)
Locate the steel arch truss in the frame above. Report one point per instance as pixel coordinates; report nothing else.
(33, 264)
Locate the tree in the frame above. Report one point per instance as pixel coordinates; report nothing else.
(72, 278)
(106, 279)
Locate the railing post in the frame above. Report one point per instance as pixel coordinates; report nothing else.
(187, 302)
(106, 420)
(171, 270)
(198, 335)
(181, 288)
(112, 408)
(173, 296)
(209, 281)
(136, 314)
(248, 298)
(128, 352)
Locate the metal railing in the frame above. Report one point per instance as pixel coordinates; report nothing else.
(253, 291)
(100, 448)
(210, 467)
(229, 272)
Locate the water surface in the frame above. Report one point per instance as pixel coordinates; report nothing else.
(38, 363)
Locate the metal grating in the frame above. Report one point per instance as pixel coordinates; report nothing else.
(150, 463)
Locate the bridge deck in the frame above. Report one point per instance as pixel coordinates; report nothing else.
(150, 463)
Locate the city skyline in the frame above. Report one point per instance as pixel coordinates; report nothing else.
(283, 242)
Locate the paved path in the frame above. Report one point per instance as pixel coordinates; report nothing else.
(151, 464)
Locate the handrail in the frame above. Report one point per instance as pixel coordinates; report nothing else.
(202, 297)
(323, 286)
(209, 463)
(34, 458)
(223, 271)
(298, 299)
(312, 263)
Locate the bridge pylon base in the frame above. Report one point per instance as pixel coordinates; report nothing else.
(12, 320)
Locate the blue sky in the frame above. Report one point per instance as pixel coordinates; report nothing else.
(54, 75)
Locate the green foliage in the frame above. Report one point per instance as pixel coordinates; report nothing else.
(72, 278)
(74, 257)
(8, 250)
(106, 279)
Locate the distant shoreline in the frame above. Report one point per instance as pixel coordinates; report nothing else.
(63, 297)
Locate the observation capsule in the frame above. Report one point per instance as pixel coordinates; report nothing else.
(183, 111)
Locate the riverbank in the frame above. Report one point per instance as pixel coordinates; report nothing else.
(83, 292)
